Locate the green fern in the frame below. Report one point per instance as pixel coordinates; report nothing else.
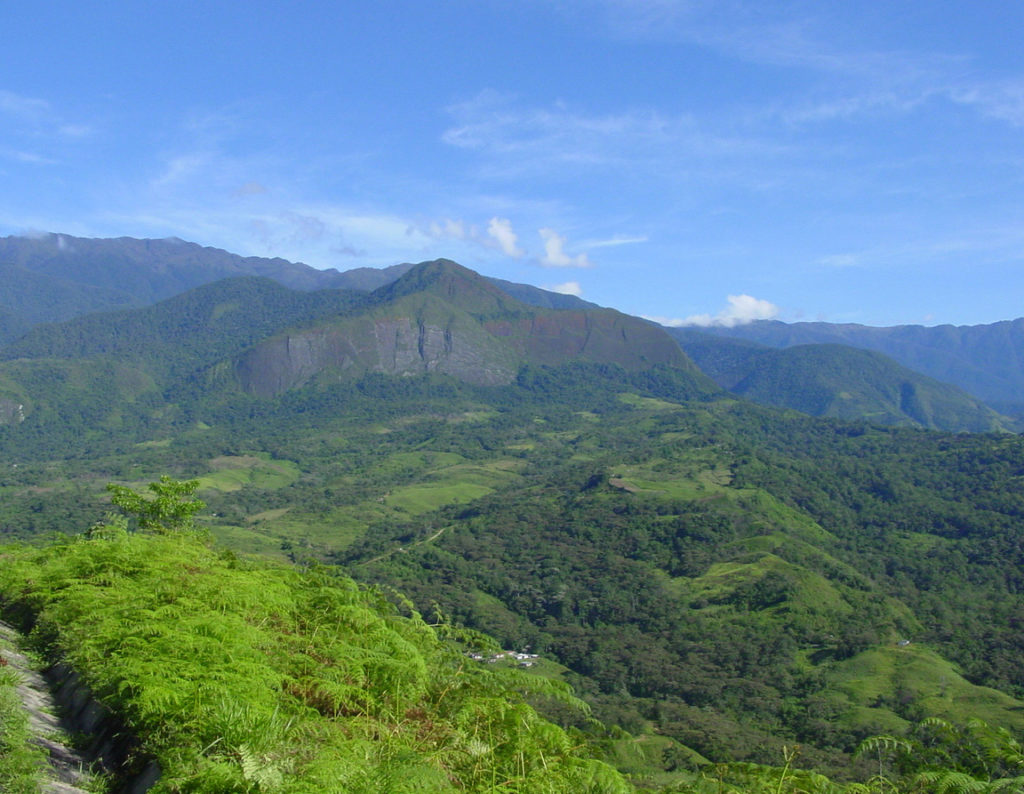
(240, 676)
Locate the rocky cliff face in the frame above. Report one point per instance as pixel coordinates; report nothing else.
(390, 345)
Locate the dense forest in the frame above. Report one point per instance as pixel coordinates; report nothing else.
(718, 581)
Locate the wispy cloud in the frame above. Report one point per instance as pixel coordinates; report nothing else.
(612, 242)
(495, 124)
(21, 107)
(742, 309)
(840, 260)
(543, 141)
(451, 229)
(986, 241)
(554, 251)
(251, 188)
(1003, 100)
(76, 130)
(636, 147)
(182, 167)
(30, 158)
(856, 80)
(39, 116)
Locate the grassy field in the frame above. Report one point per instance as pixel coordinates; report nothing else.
(234, 472)
(876, 685)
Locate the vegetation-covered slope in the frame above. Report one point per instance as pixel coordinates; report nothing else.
(243, 677)
(186, 333)
(55, 277)
(255, 335)
(984, 360)
(838, 381)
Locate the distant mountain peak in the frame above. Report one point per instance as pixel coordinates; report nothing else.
(452, 282)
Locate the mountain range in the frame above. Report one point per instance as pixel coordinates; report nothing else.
(53, 277)
(255, 335)
(56, 277)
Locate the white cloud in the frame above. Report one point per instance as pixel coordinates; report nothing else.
(38, 117)
(1002, 100)
(742, 309)
(501, 230)
(515, 141)
(615, 241)
(568, 288)
(251, 189)
(75, 130)
(554, 253)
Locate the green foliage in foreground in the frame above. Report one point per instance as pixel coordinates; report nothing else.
(260, 678)
(20, 760)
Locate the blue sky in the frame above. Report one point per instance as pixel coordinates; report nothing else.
(711, 161)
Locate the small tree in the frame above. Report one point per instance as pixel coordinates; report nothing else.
(171, 508)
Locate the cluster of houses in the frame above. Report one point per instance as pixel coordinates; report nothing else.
(524, 659)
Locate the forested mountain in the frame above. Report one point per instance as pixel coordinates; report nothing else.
(984, 360)
(720, 580)
(54, 277)
(187, 332)
(839, 381)
(441, 317)
(254, 335)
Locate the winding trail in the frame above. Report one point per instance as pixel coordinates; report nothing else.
(66, 774)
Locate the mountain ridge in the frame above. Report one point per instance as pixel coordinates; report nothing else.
(986, 361)
(442, 317)
(55, 277)
(829, 379)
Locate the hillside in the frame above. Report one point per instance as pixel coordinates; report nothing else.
(254, 335)
(187, 332)
(986, 361)
(720, 579)
(838, 381)
(235, 676)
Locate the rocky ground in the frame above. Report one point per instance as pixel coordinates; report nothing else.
(67, 768)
